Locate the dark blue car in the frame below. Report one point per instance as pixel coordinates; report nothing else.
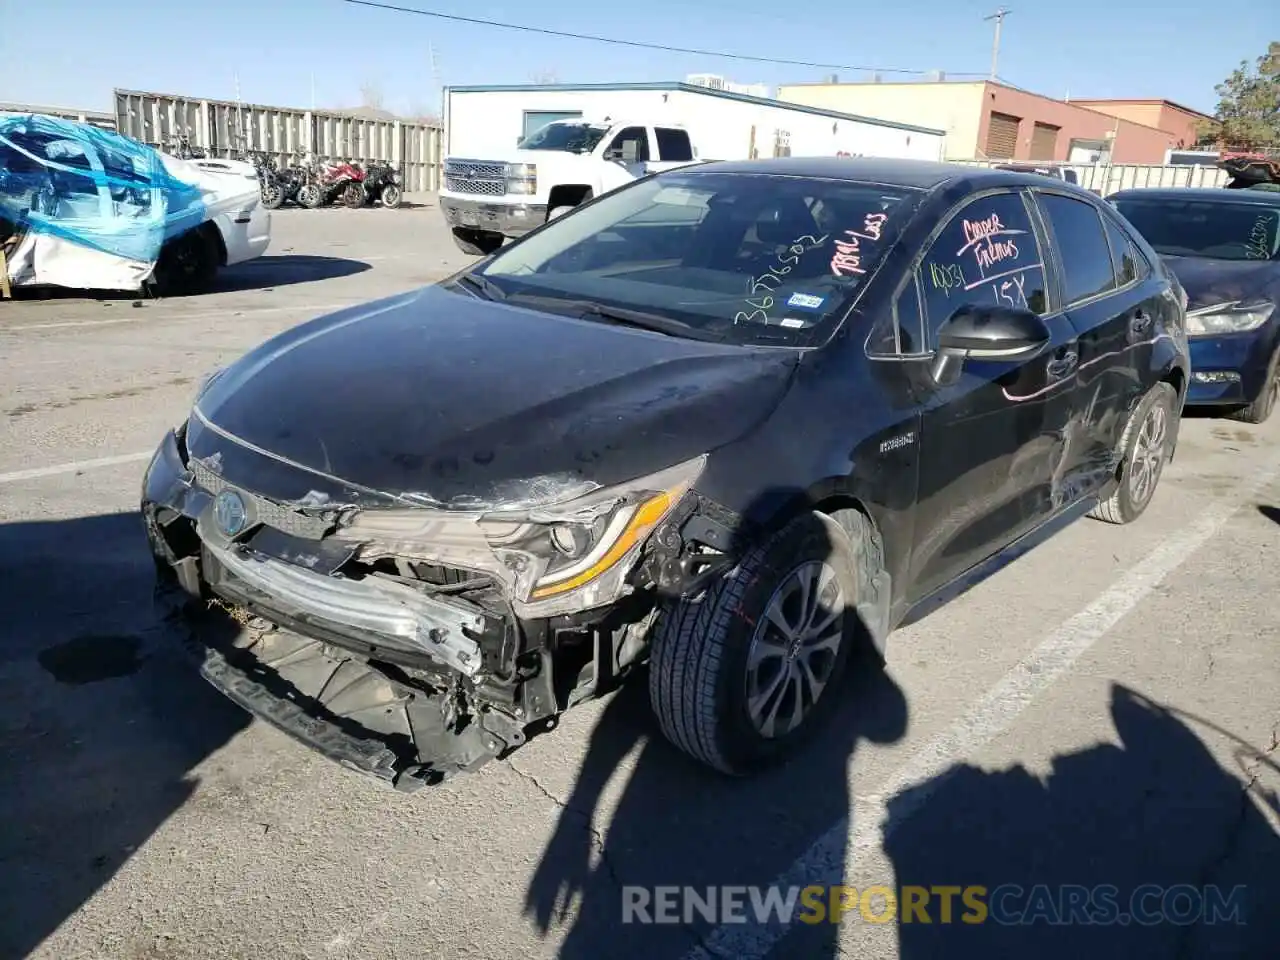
(1224, 247)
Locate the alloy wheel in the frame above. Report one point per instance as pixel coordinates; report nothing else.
(794, 649)
(1148, 454)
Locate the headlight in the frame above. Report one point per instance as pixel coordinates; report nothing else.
(560, 558)
(582, 550)
(522, 178)
(1232, 317)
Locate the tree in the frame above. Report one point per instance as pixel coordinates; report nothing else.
(1249, 103)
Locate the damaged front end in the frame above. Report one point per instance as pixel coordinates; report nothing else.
(411, 640)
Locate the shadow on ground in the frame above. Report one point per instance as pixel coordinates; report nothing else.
(678, 824)
(263, 273)
(1271, 513)
(1144, 848)
(101, 718)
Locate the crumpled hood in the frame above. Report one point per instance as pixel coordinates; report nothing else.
(1210, 282)
(446, 399)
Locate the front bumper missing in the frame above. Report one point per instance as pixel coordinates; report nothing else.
(349, 712)
(369, 672)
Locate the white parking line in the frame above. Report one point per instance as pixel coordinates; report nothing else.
(826, 861)
(37, 472)
(143, 316)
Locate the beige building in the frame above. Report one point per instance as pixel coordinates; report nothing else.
(1185, 123)
(993, 121)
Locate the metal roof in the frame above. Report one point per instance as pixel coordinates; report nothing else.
(674, 85)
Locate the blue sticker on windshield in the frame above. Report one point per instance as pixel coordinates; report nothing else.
(805, 301)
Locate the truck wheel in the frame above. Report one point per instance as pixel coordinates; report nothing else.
(1144, 450)
(1260, 410)
(741, 678)
(476, 243)
(187, 264)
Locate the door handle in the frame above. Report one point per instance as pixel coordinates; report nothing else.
(1062, 364)
(1141, 322)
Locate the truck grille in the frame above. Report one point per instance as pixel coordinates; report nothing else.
(475, 176)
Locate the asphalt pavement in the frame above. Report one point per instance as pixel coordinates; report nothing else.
(1103, 712)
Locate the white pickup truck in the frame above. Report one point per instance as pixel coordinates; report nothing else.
(551, 171)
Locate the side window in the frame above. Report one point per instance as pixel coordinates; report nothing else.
(673, 144)
(1082, 246)
(986, 254)
(1123, 256)
(631, 133)
(900, 331)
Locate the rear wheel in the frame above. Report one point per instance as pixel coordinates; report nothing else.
(476, 243)
(1262, 406)
(391, 196)
(187, 264)
(743, 677)
(1144, 451)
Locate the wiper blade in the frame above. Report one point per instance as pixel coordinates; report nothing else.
(625, 317)
(483, 285)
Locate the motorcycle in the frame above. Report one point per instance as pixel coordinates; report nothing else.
(337, 179)
(281, 185)
(382, 183)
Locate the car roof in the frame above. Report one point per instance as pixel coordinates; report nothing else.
(1263, 198)
(918, 174)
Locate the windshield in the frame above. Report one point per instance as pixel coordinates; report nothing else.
(1211, 229)
(572, 137)
(744, 258)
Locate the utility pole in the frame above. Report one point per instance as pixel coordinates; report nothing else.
(998, 17)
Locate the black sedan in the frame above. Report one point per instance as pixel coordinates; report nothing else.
(1224, 246)
(727, 422)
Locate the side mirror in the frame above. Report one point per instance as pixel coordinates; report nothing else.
(630, 151)
(987, 333)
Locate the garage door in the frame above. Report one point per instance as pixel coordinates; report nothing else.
(1002, 136)
(1044, 141)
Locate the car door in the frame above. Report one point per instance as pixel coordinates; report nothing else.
(1112, 313)
(990, 441)
(617, 171)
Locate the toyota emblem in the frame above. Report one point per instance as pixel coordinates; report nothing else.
(230, 514)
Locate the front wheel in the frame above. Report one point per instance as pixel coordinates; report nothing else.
(272, 194)
(353, 195)
(476, 243)
(1145, 446)
(391, 196)
(311, 196)
(743, 677)
(187, 264)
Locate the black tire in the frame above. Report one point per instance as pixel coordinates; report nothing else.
(698, 663)
(312, 196)
(1260, 410)
(476, 243)
(391, 196)
(187, 264)
(272, 194)
(1133, 494)
(354, 195)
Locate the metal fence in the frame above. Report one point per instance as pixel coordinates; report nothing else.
(225, 128)
(93, 117)
(1108, 178)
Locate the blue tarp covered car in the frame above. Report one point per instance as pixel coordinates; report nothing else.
(88, 208)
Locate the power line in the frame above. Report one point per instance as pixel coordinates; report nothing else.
(636, 43)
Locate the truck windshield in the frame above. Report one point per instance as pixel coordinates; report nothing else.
(1211, 229)
(742, 258)
(571, 137)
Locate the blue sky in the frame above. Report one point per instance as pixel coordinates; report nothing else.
(73, 52)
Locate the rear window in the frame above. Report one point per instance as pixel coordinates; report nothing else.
(1214, 230)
